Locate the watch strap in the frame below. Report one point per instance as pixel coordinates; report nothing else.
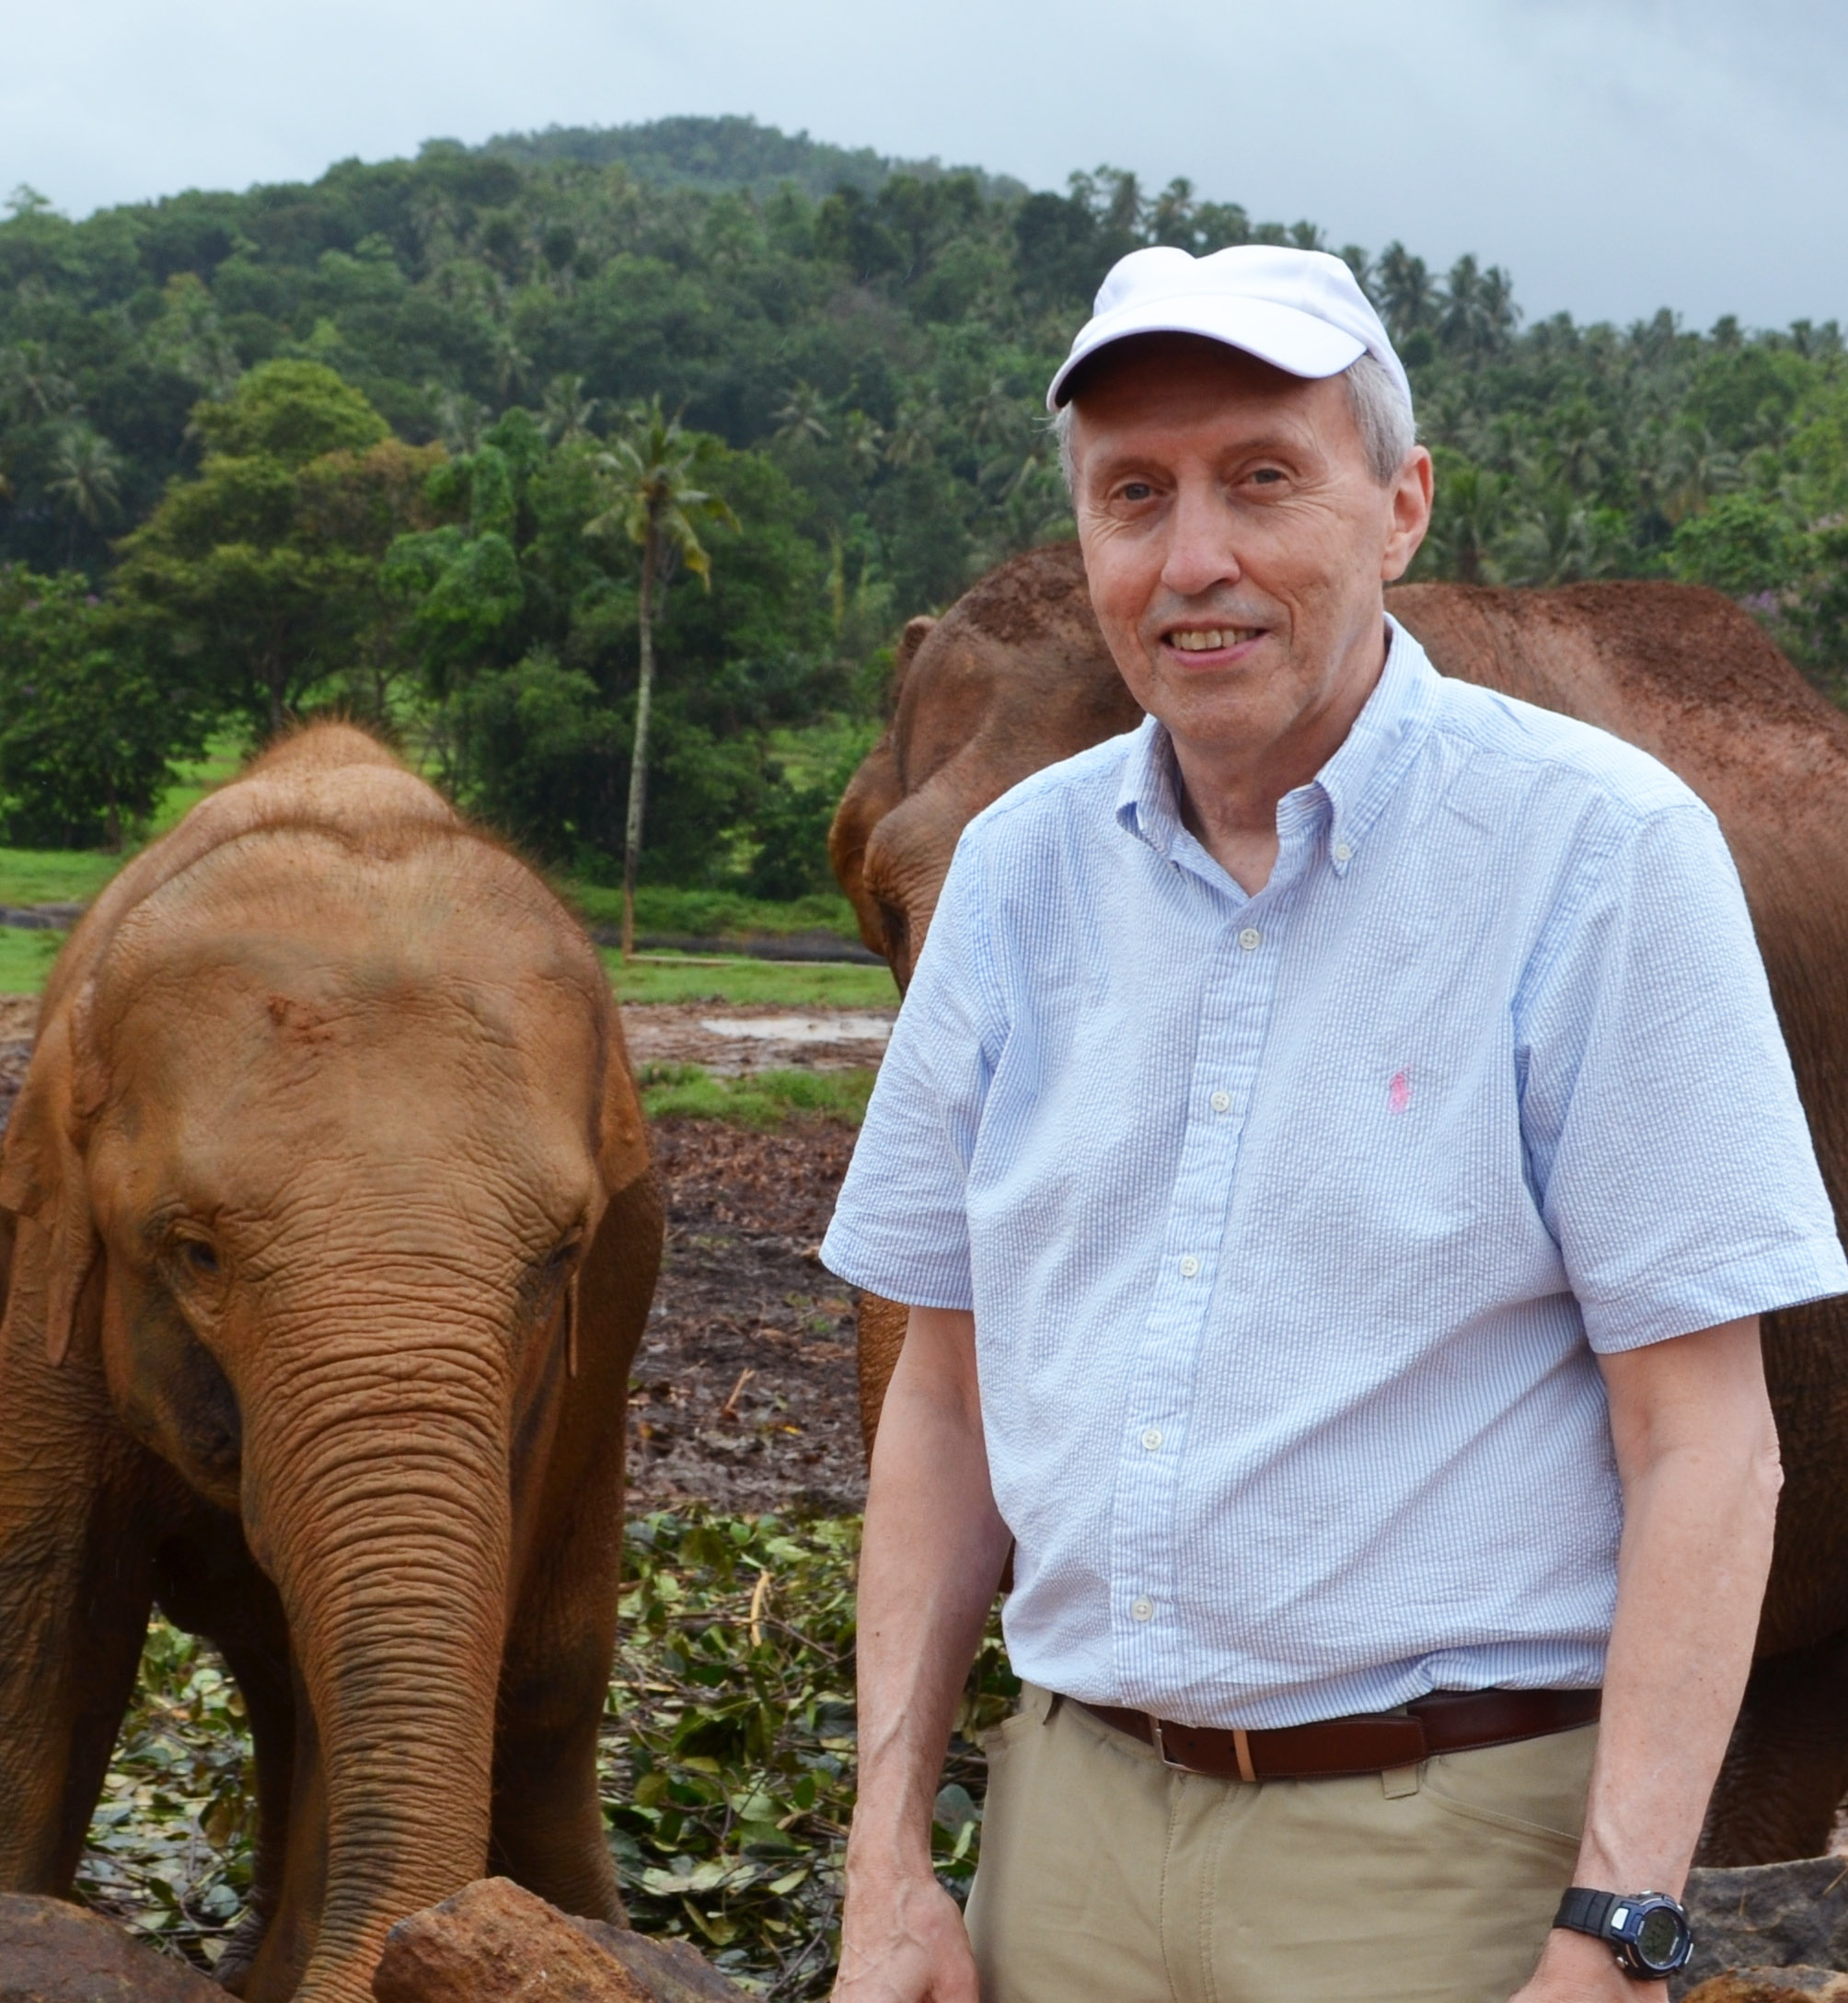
(1585, 1911)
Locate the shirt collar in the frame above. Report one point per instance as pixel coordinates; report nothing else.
(1354, 784)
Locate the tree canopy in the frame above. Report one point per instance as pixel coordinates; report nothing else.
(339, 442)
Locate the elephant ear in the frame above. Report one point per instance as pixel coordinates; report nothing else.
(622, 1137)
(43, 1182)
(916, 631)
(622, 1159)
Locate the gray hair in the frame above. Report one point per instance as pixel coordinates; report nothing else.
(1383, 417)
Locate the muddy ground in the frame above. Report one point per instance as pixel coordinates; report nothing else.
(745, 1388)
(744, 1391)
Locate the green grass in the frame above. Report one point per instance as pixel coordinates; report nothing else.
(712, 914)
(820, 984)
(26, 960)
(765, 1099)
(53, 875)
(726, 1765)
(223, 760)
(75, 875)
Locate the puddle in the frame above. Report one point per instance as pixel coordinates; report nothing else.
(801, 1028)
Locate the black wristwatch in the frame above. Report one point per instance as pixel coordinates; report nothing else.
(1647, 1931)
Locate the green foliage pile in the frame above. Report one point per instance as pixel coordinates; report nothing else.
(727, 1762)
(338, 445)
(731, 1782)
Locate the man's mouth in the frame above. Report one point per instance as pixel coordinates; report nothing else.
(1210, 639)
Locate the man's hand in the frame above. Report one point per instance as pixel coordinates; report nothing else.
(1573, 1968)
(903, 1941)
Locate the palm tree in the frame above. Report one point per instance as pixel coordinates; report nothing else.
(1408, 296)
(864, 438)
(85, 467)
(31, 385)
(913, 440)
(803, 414)
(565, 410)
(649, 472)
(460, 421)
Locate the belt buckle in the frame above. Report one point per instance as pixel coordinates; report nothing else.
(1161, 1743)
(1242, 1748)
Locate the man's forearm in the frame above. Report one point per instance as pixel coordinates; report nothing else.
(1696, 1550)
(932, 1555)
(1697, 1452)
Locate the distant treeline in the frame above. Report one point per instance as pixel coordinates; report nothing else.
(861, 343)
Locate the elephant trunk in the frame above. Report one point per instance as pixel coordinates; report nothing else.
(375, 1495)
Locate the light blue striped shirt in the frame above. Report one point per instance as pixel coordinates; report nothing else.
(1291, 1222)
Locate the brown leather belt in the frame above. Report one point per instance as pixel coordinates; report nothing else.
(1447, 1722)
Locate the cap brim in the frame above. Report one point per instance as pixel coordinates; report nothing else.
(1299, 343)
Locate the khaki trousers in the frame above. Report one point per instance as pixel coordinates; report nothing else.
(1109, 1877)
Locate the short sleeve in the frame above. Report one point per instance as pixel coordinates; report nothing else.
(901, 1225)
(1668, 1150)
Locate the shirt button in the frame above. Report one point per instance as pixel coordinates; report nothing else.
(1221, 1102)
(1190, 1265)
(1342, 853)
(1143, 1609)
(1251, 938)
(1151, 1439)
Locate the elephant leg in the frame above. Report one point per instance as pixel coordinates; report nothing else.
(878, 1335)
(1786, 1768)
(265, 1686)
(548, 1828)
(547, 1825)
(76, 1588)
(207, 1582)
(294, 1925)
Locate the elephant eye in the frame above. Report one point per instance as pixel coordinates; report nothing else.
(201, 1256)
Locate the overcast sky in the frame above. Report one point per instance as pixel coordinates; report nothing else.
(1614, 155)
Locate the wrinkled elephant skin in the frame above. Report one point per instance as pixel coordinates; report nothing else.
(1016, 675)
(332, 1233)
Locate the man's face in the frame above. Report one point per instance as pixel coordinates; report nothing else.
(1236, 542)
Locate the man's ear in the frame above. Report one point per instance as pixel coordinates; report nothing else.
(45, 1183)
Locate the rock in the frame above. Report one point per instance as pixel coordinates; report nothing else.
(1771, 1986)
(55, 1952)
(495, 1942)
(1767, 1916)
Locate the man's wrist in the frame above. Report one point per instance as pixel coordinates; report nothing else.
(1581, 1964)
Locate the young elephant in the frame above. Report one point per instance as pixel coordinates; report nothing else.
(333, 1235)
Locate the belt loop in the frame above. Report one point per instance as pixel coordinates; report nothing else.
(1242, 1746)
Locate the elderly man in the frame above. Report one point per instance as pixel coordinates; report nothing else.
(1336, 1148)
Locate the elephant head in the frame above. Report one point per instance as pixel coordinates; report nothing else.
(315, 1156)
(1014, 676)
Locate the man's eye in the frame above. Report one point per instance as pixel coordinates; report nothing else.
(1138, 489)
(1266, 476)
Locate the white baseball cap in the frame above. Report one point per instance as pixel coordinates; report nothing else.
(1303, 311)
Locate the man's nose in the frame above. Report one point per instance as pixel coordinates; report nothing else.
(1200, 553)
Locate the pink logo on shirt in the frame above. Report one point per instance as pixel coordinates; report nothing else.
(1399, 1093)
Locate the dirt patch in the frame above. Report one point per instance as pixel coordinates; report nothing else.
(19, 1023)
(734, 1041)
(746, 1393)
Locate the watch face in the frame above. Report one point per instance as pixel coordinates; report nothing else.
(1659, 1938)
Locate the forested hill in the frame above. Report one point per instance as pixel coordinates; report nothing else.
(382, 407)
(732, 153)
